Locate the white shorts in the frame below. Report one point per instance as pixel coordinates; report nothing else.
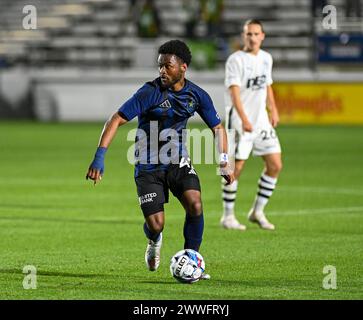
(261, 141)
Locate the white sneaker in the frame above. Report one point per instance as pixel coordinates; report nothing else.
(152, 254)
(230, 222)
(260, 219)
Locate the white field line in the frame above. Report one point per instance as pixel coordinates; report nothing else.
(301, 211)
(333, 190)
(315, 211)
(286, 188)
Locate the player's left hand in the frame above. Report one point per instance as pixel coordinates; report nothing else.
(274, 118)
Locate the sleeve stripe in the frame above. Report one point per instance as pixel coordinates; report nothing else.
(122, 115)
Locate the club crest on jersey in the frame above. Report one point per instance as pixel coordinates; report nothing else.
(191, 105)
(165, 105)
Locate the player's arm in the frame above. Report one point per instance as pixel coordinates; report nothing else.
(222, 143)
(96, 168)
(235, 92)
(271, 106)
(211, 118)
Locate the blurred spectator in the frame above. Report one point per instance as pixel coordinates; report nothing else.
(148, 20)
(3, 63)
(353, 8)
(132, 3)
(132, 6)
(5, 109)
(212, 11)
(193, 11)
(317, 7)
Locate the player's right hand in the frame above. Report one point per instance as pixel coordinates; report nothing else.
(274, 118)
(94, 174)
(226, 172)
(97, 167)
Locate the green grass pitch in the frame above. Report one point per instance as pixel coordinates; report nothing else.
(87, 242)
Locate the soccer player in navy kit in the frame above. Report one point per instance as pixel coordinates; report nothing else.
(163, 106)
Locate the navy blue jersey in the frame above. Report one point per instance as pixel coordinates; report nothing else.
(162, 117)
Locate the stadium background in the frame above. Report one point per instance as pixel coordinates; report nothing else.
(60, 81)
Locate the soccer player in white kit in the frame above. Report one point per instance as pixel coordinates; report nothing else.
(248, 83)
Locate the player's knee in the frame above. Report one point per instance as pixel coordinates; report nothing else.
(273, 169)
(195, 208)
(278, 167)
(156, 227)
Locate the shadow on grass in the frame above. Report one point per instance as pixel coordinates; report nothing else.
(159, 282)
(48, 219)
(58, 274)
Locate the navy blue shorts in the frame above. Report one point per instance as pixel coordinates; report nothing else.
(153, 187)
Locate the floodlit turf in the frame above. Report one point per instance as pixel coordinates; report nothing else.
(87, 242)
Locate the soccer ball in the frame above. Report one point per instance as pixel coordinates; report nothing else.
(187, 266)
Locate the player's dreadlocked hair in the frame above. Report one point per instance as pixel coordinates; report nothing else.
(178, 48)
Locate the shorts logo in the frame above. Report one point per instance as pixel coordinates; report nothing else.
(186, 162)
(149, 197)
(192, 171)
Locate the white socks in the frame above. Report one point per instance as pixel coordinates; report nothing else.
(229, 193)
(266, 186)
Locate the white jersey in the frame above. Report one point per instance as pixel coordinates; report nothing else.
(252, 73)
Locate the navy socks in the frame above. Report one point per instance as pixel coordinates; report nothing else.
(150, 235)
(193, 231)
